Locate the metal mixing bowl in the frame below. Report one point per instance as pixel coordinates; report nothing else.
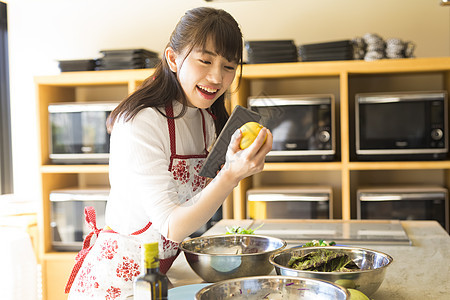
(273, 287)
(220, 257)
(373, 265)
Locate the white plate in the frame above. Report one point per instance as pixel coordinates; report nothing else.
(186, 292)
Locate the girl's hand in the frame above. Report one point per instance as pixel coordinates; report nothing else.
(243, 163)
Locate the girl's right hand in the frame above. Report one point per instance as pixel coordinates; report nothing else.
(243, 163)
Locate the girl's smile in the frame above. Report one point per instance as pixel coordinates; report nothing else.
(207, 92)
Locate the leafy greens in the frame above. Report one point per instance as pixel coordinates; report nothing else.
(323, 260)
(239, 230)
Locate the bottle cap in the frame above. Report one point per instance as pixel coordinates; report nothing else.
(150, 255)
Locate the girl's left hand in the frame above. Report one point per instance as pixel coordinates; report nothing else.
(243, 163)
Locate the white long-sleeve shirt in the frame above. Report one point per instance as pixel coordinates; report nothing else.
(142, 187)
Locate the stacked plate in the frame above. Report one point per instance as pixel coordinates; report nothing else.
(128, 59)
(78, 65)
(337, 50)
(260, 52)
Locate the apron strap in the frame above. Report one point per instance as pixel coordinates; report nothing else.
(91, 220)
(211, 114)
(171, 126)
(204, 129)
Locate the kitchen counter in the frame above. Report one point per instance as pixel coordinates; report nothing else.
(420, 270)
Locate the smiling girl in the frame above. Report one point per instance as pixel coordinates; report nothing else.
(159, 139)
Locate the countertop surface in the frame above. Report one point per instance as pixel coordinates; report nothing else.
(420, 270)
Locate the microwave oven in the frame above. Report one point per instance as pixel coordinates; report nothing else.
(302, 126)
(290, 202)
(78, 132)
(401, 126)
(67, 219)
(404, 203)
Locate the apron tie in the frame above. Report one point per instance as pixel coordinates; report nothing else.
(91, 220)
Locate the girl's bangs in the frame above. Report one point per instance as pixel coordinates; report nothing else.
(227, 42)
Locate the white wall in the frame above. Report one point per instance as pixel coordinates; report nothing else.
(42, 32)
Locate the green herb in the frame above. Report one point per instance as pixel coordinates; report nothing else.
(319, 243)
(323, 261)
(239, 230)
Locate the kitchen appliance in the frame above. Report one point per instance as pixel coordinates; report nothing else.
(67, 215)
(290, 202)
(404, 203)
(302, 126)
(78, 132)
(401, 126)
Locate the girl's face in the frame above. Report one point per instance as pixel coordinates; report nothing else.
(203, 74)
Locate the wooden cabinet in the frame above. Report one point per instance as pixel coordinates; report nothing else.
(343, 79)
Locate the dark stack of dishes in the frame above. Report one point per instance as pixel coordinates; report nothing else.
(260, 52)
(128, 59)
(337, 50)
(78, 65)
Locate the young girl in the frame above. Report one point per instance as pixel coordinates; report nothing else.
(159, 139)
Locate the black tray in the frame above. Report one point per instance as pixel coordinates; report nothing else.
(343, 43)
(262, 52)
(216, 158)
(283, 44)
(341, 50)
(129, 52)
(77, 65)
(250, 60)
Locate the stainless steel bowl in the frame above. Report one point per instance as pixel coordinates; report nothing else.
(273, 287)
(220, 257)
(373, 266)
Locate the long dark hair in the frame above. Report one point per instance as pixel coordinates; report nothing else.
(193, 30)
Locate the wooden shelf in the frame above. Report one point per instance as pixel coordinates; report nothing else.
(303, 166)
(396, 165)
(73, 79)
(75, 169)
(336, 68)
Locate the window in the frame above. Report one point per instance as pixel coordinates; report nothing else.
(6, 186)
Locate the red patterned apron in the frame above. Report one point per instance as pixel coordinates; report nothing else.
(105, 270)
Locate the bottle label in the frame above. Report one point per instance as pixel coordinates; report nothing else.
(151, 289)
(150, 255)
(142, 291)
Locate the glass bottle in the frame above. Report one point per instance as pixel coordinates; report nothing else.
(152, 284)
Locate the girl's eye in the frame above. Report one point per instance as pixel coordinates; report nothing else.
(205, 62)
(231, 68)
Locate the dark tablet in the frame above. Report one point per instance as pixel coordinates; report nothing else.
(216, 157)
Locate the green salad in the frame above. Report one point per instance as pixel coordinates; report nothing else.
(319, 243)
(240, 230)
(323, 261)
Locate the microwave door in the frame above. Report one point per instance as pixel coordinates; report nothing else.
(294, 206)
(78, 132)
(67, 217)
(298, 127)
(412, 124)
(404, 206)
(95, 138)
(66, 133)
(397, 125)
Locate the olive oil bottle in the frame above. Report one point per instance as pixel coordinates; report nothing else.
(152, 284)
